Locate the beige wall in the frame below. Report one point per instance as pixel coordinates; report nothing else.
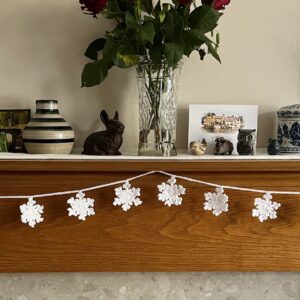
(41, 56)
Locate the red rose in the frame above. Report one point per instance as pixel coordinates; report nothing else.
(220, 4)
(216, 4)
(94, 7)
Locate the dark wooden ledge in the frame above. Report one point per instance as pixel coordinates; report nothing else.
(150, 237)
(211, 166)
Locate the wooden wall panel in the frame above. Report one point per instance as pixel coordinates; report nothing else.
(150, 237)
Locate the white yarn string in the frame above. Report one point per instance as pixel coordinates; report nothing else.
(190, 179)
(80, 190)
(118, 182)
(227, 187)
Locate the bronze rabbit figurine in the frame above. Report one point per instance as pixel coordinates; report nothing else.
(105, 142)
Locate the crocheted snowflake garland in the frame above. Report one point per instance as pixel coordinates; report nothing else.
(126, 196)
(170, 192)
(265, 208)
(81, 207)
(31, 213)
(216, 202)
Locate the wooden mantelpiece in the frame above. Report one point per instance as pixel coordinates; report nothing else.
(150, 237)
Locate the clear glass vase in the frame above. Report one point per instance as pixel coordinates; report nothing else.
(157, 88)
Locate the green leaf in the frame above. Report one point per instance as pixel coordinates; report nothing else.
(148, 19)
(157, 7)
(92, 50)
(94, 73)
(112, 15)
(147, 6)
(167, 6)
(213, 51)
(110, 48)
(156, 54)
(158, 12)
(131, 22)
(184, 11)
(188, 47)
(113, 10)
(173, 26)
(117, 32)
(162, 16)
(125, 56)
(204, 18)
(218, 38)
(109, 51)
(148, 32)
(174, 52)
(113, 6)
(192, 41)
(195, 37)
(208, 2)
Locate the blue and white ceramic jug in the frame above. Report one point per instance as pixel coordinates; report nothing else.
(288, 132)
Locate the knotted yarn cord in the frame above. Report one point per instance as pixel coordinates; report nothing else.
(189, 179)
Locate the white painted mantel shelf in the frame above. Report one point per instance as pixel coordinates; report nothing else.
(261, 154)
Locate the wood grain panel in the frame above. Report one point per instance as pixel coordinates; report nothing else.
(150, 237)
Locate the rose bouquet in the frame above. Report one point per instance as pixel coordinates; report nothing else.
(154, 33)
(154, 38)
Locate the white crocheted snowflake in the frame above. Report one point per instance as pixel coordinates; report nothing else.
(31, 212)
(170, 192)
(265, 208)
(126, 196)
(81, 207)
(216, 202)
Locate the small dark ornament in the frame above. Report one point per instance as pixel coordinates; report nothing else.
(223, 147)
(17, 145)
(274, 147)
(246, 141)
(105, 142)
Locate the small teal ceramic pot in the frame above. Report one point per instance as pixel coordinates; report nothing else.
(288, 132)
(47, 132)
(274, 147)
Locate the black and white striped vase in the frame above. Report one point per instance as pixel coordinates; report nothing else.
(47, 132)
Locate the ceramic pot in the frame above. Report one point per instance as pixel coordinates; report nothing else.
(47, 132)
(274, 147)
(288, 132)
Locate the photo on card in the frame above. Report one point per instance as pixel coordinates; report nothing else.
(211, 121)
